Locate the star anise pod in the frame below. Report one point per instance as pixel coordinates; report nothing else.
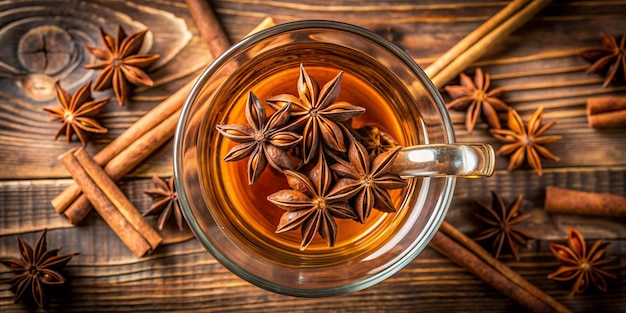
(121, 64)
(370, 177)
(608, 59)
(165, 202)
(264, 140)
(375, 140)
(580, 264)
(501, 222)
(36, 271)
(476, 98)
(319, 112)
(312, 205)
(526, 142)
(76, 113)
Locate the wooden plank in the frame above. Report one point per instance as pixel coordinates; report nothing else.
(184, 276)
(538, 66)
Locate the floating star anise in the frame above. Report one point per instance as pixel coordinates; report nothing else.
(318, 112)
(608, 59)
(375, 140)
(38, 270)
(312, 205)
(264, 140)
(76, 113)
(476, 98)
(526, 142)
(122, 65)
(580, 264)
(370, 177)
(500, 222)
(165, 202)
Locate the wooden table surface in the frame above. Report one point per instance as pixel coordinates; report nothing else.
(538, 65)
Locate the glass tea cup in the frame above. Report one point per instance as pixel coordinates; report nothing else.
(233, 219)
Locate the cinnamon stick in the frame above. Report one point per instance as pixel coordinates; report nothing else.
(117, 198)
(111, 214)
(603, 112)
(144, 140)
(560, 200)
(445, 59)
(125, 161)
(487, 42)
(210, 28)
(510, 274)
(458, 254)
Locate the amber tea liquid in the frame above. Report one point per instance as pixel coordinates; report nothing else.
(247, 214)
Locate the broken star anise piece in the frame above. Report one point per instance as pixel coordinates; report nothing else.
(526, 142)
(370, 177)
(165, 202)
(121, 64)
(38, 270)
(608, 60)
(319, 112)
(312, 205)
(476, 98)
(76, 113)
(500, 222)
(580, 264)
(264, 140)
(375, 140)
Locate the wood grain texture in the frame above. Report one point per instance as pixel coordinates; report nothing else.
(538, 65)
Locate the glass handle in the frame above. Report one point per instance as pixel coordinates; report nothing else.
(455, 159)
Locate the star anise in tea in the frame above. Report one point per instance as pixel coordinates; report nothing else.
(370, 178)
(476, 98)
(321, 125)
(165, 202)
(608, 60)
(318, 112)
(312, 204)
(526, 142)
(580, 264)
(76, 113)
(375, 140)
(36, 271)
(264, 140)
(122, 65)
(500, 222)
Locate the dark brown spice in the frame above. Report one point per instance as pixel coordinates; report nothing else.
(36, 271)
(165, 202)
(500, 222)
(375, 140)
(526, 142)
(76, 113)
(264, 140)
(608, 59)
(476, 98)
(370, 178)
(580, 264)
(312, 204)
(318, 113)
(121, 64)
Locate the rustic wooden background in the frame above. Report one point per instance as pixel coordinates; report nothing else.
(538, 65)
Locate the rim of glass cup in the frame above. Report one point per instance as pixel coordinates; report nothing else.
(354, 286)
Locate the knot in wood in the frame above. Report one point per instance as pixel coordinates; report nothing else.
(46, 49)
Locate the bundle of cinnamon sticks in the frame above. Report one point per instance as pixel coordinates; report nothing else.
(482, 39)
(604, 112)
(116, 210)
